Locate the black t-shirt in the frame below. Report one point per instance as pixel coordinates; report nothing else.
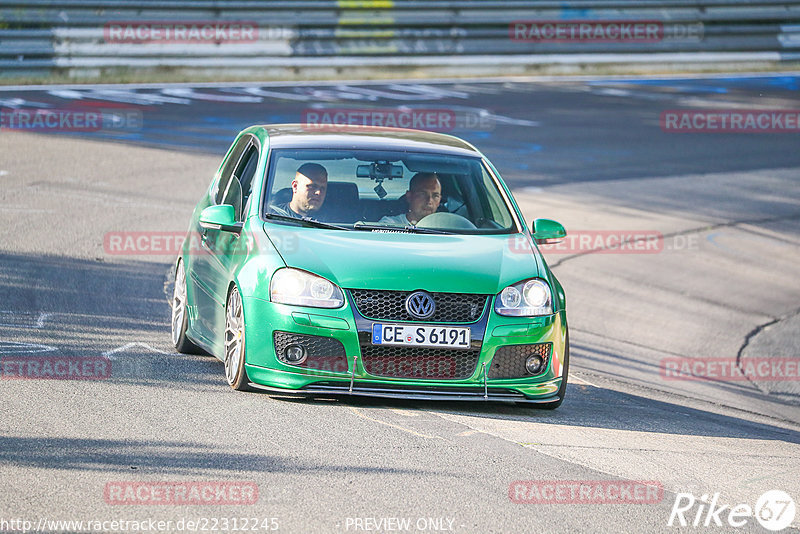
(285, 209)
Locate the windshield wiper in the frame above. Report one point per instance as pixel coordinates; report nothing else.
(399, 229)
(308, 221)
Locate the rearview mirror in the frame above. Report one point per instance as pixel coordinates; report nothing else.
(221, 217)
(548, 232)
(379, 170)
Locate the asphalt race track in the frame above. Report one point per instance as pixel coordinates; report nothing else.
(720, 282)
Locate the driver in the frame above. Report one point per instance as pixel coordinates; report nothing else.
(424, 195)
(309, 187)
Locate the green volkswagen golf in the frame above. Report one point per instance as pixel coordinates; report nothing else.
(370, 261)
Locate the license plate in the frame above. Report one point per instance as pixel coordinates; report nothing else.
(453, 337)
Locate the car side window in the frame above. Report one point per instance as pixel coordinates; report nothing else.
(223, 184)
(236, 182)
(245, 172)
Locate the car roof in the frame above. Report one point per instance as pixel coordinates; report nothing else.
(364, 137)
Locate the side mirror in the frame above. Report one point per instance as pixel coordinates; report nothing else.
(221, 217)
(548, 232)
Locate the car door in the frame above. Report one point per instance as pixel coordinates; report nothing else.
(224, 247)
(203, 261)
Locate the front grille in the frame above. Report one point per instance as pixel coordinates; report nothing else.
(509, 361)
(323, 353)
(419, 362)
(391, 306)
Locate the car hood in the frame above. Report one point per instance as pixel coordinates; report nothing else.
(405, 261)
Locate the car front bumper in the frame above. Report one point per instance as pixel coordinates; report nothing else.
(345, 325)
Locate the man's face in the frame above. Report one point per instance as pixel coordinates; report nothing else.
(308, 192)
(424, 198)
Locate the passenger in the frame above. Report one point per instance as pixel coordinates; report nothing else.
(309, 187)
(423, 196)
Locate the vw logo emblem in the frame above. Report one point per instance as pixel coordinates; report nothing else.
(420, 305)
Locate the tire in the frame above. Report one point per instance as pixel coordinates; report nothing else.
(235, 373)
(180, 319)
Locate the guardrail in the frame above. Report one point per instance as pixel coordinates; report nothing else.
(84, 36)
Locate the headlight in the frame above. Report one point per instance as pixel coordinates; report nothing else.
(525, 299)
(292, 286)
(510, 297)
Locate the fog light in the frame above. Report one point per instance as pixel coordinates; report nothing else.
(534, 364)
(295, 354)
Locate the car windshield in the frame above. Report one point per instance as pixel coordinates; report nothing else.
(377, 190)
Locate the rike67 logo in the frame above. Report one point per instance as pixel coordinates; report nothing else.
(774, 510)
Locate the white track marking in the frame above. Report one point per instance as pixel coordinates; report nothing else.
(186, 92)
(414, 91)
(126, 96)
(11, 347)
(576, 379)
(357, 412)
(257, 91)
(123, 348)
(407, 413)
(16, 319)
(42, 318)
(16, 103)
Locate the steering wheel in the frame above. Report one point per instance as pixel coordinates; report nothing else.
(443, 220)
